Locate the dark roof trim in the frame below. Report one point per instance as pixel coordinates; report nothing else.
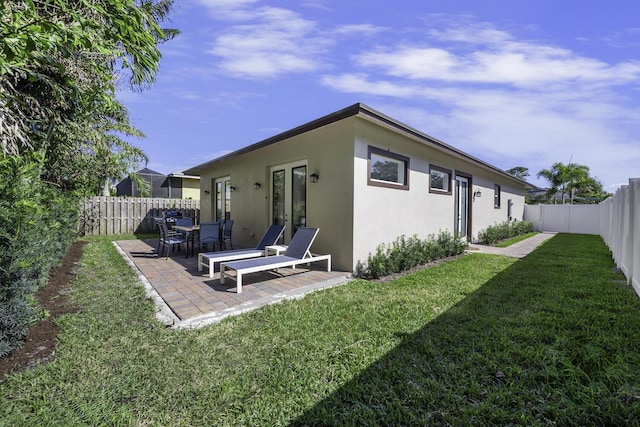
(353, 110)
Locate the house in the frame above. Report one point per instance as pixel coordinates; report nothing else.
(363, 178)
(175, 185)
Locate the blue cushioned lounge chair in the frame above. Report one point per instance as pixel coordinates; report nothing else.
(298, 252)
(209, 259)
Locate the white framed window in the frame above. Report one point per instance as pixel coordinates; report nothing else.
(387, 169)
(496, 196)
(439, 180)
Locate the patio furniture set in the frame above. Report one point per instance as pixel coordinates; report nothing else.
(267, 255)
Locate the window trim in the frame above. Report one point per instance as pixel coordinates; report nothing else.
(443, 170)
(391, 155)
(497, 196)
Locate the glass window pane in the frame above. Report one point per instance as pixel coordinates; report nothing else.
(227, 199)
(299, 197)
(278, 197)
(439, 180)
(219, 212)
(387, 169)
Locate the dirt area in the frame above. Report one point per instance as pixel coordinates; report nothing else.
(40, 344)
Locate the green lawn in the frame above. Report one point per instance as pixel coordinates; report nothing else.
(482, 340)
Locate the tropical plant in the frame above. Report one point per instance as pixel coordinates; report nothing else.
(60, 66)
(571, 180)
(504, 230)
(520, 172)
(61, 62)
(406, 253)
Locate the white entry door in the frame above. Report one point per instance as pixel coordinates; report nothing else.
(462, 206)
(289, 197)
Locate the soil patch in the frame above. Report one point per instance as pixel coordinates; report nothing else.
(40, 344)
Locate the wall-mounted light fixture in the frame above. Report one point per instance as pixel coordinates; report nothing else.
(314, 177)
(232, 188)
(256, 185)
(477, 194)
(207, 192)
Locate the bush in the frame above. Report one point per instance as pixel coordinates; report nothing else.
(37, 226)
(504, 230)
(406, 253)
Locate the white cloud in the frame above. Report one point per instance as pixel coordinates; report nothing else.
(509, 128)
(359, 30)
(505, 100)
(264, 42)
(510, 63)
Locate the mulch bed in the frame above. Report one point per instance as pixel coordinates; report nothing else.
(40, 345)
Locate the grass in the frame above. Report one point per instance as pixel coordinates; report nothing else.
(509, 242)
(482, 340)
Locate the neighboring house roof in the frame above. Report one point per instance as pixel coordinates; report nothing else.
(147, 171)
(182, 175)
(365, 112)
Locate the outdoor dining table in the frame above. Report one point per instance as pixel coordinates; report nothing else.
(190, 231)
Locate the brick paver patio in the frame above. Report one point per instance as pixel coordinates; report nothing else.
(186, 297)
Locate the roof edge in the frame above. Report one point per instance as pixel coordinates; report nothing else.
(353, 110)
(349, 111)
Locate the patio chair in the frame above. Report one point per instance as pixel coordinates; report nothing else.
(209, 259)
(210, 234)
(298, 252)
(184, 222)
(168, 240)
(226, 233)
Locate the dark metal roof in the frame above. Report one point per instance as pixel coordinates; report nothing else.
(366, 112)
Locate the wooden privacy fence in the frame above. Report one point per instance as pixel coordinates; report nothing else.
(616, 220)
(107, 216)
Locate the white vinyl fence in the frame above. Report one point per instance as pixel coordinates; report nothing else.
(107, 216)
(616, 220)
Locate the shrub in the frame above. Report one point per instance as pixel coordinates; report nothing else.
(406, 253)
(37, 226)
(504, 230)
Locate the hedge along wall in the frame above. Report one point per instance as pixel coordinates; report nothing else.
(37, 226)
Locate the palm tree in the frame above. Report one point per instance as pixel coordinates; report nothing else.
(565, 179)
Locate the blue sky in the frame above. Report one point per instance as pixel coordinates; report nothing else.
(514, 83)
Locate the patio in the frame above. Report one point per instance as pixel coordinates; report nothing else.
(185, 297)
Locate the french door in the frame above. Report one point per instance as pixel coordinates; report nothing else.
(462, 206)
(289, 197)
(222, 198)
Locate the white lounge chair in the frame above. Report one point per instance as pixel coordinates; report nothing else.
(209, 259)
(298, 252)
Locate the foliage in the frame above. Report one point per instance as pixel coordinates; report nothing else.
(519, 172)
(504, 230)
(550, 339)
(59, 70)
(37, 225)
(406, 253)
(572, 180)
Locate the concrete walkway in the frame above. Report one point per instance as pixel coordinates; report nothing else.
(517, 250)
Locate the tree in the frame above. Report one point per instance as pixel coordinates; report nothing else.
(60, 65)
(572, 180)
(520, 172)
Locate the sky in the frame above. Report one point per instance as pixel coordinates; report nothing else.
(514, 83)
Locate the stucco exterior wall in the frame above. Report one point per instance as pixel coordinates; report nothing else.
(190, 188)
(328, 151)
(485, 214)
(353, 216)
(381, 215)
